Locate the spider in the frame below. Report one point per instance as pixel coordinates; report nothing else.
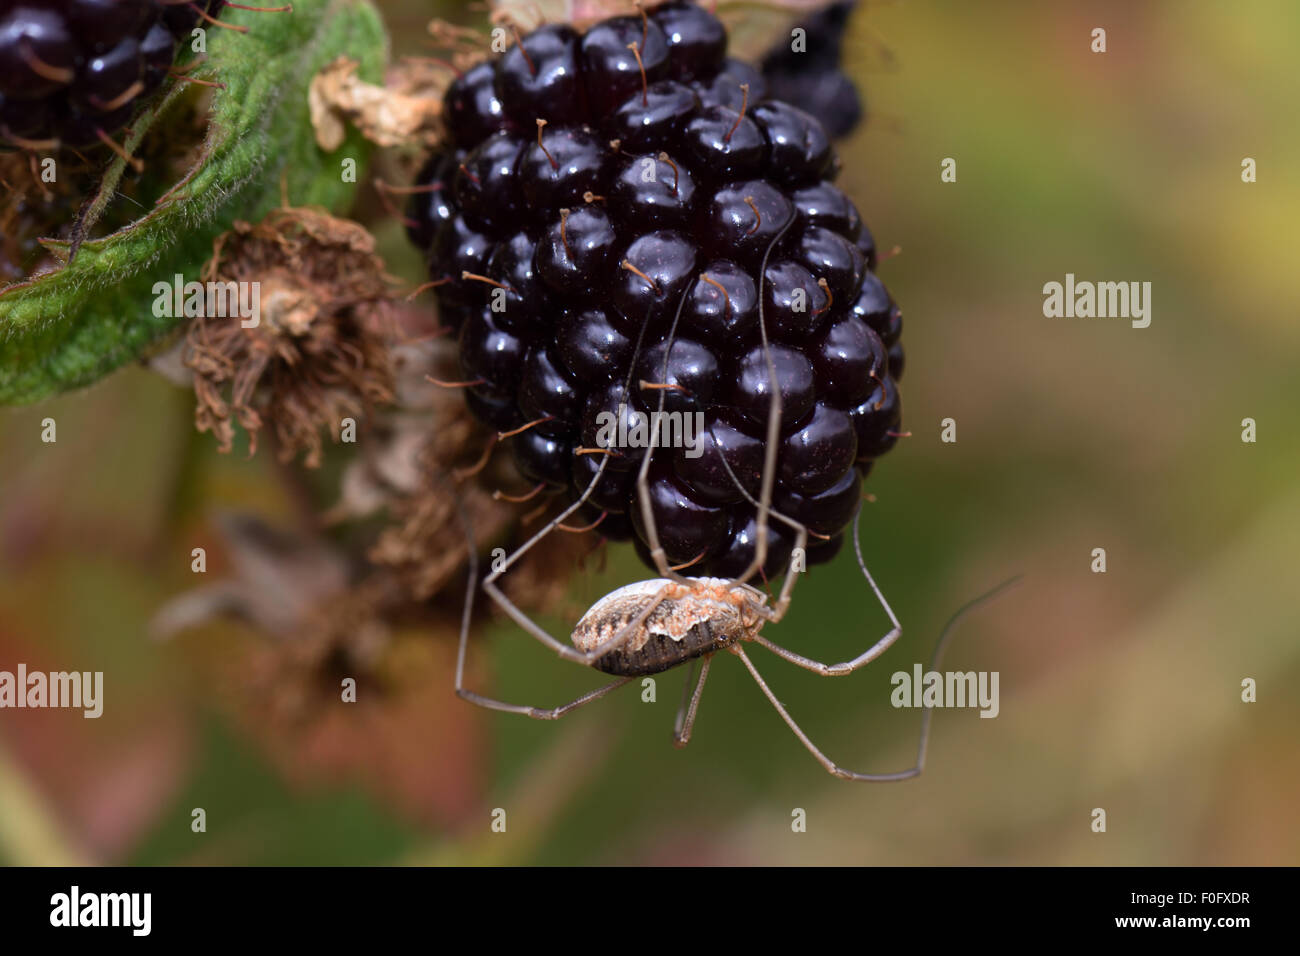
(655, 625)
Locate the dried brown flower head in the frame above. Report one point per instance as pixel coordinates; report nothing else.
(318, 353)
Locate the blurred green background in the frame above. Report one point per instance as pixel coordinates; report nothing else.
(1118, 690)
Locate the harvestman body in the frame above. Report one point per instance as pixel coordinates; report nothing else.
(689, 622)
(652, 626)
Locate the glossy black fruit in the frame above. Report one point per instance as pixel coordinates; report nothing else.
(640, 249)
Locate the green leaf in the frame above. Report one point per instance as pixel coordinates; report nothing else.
(69, 328)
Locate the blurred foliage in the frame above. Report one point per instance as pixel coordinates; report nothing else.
(1118, 690)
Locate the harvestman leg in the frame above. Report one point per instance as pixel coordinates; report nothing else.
(923, 744)
(682, 727)
(657, 553)
(776, 611)
(491, 703)
(764, 505)
(867, 656)
(537, 713)
(537, 631)
(523, 620)
(773, 430)
(822, 759)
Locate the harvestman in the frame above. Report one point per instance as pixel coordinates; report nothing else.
(652, 626)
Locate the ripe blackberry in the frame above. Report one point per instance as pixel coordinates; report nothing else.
(72, 72)
(811, 78)
(613, 223)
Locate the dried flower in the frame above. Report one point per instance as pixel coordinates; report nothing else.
(318, 353)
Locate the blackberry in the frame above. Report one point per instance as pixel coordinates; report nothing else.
(619, 209)
(72, 72)
(812, 78)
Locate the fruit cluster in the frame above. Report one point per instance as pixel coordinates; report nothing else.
(623, 218)
(73, 71)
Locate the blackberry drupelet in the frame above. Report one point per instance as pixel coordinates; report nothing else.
(811, 78)
(623, 207)
(72, 72)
